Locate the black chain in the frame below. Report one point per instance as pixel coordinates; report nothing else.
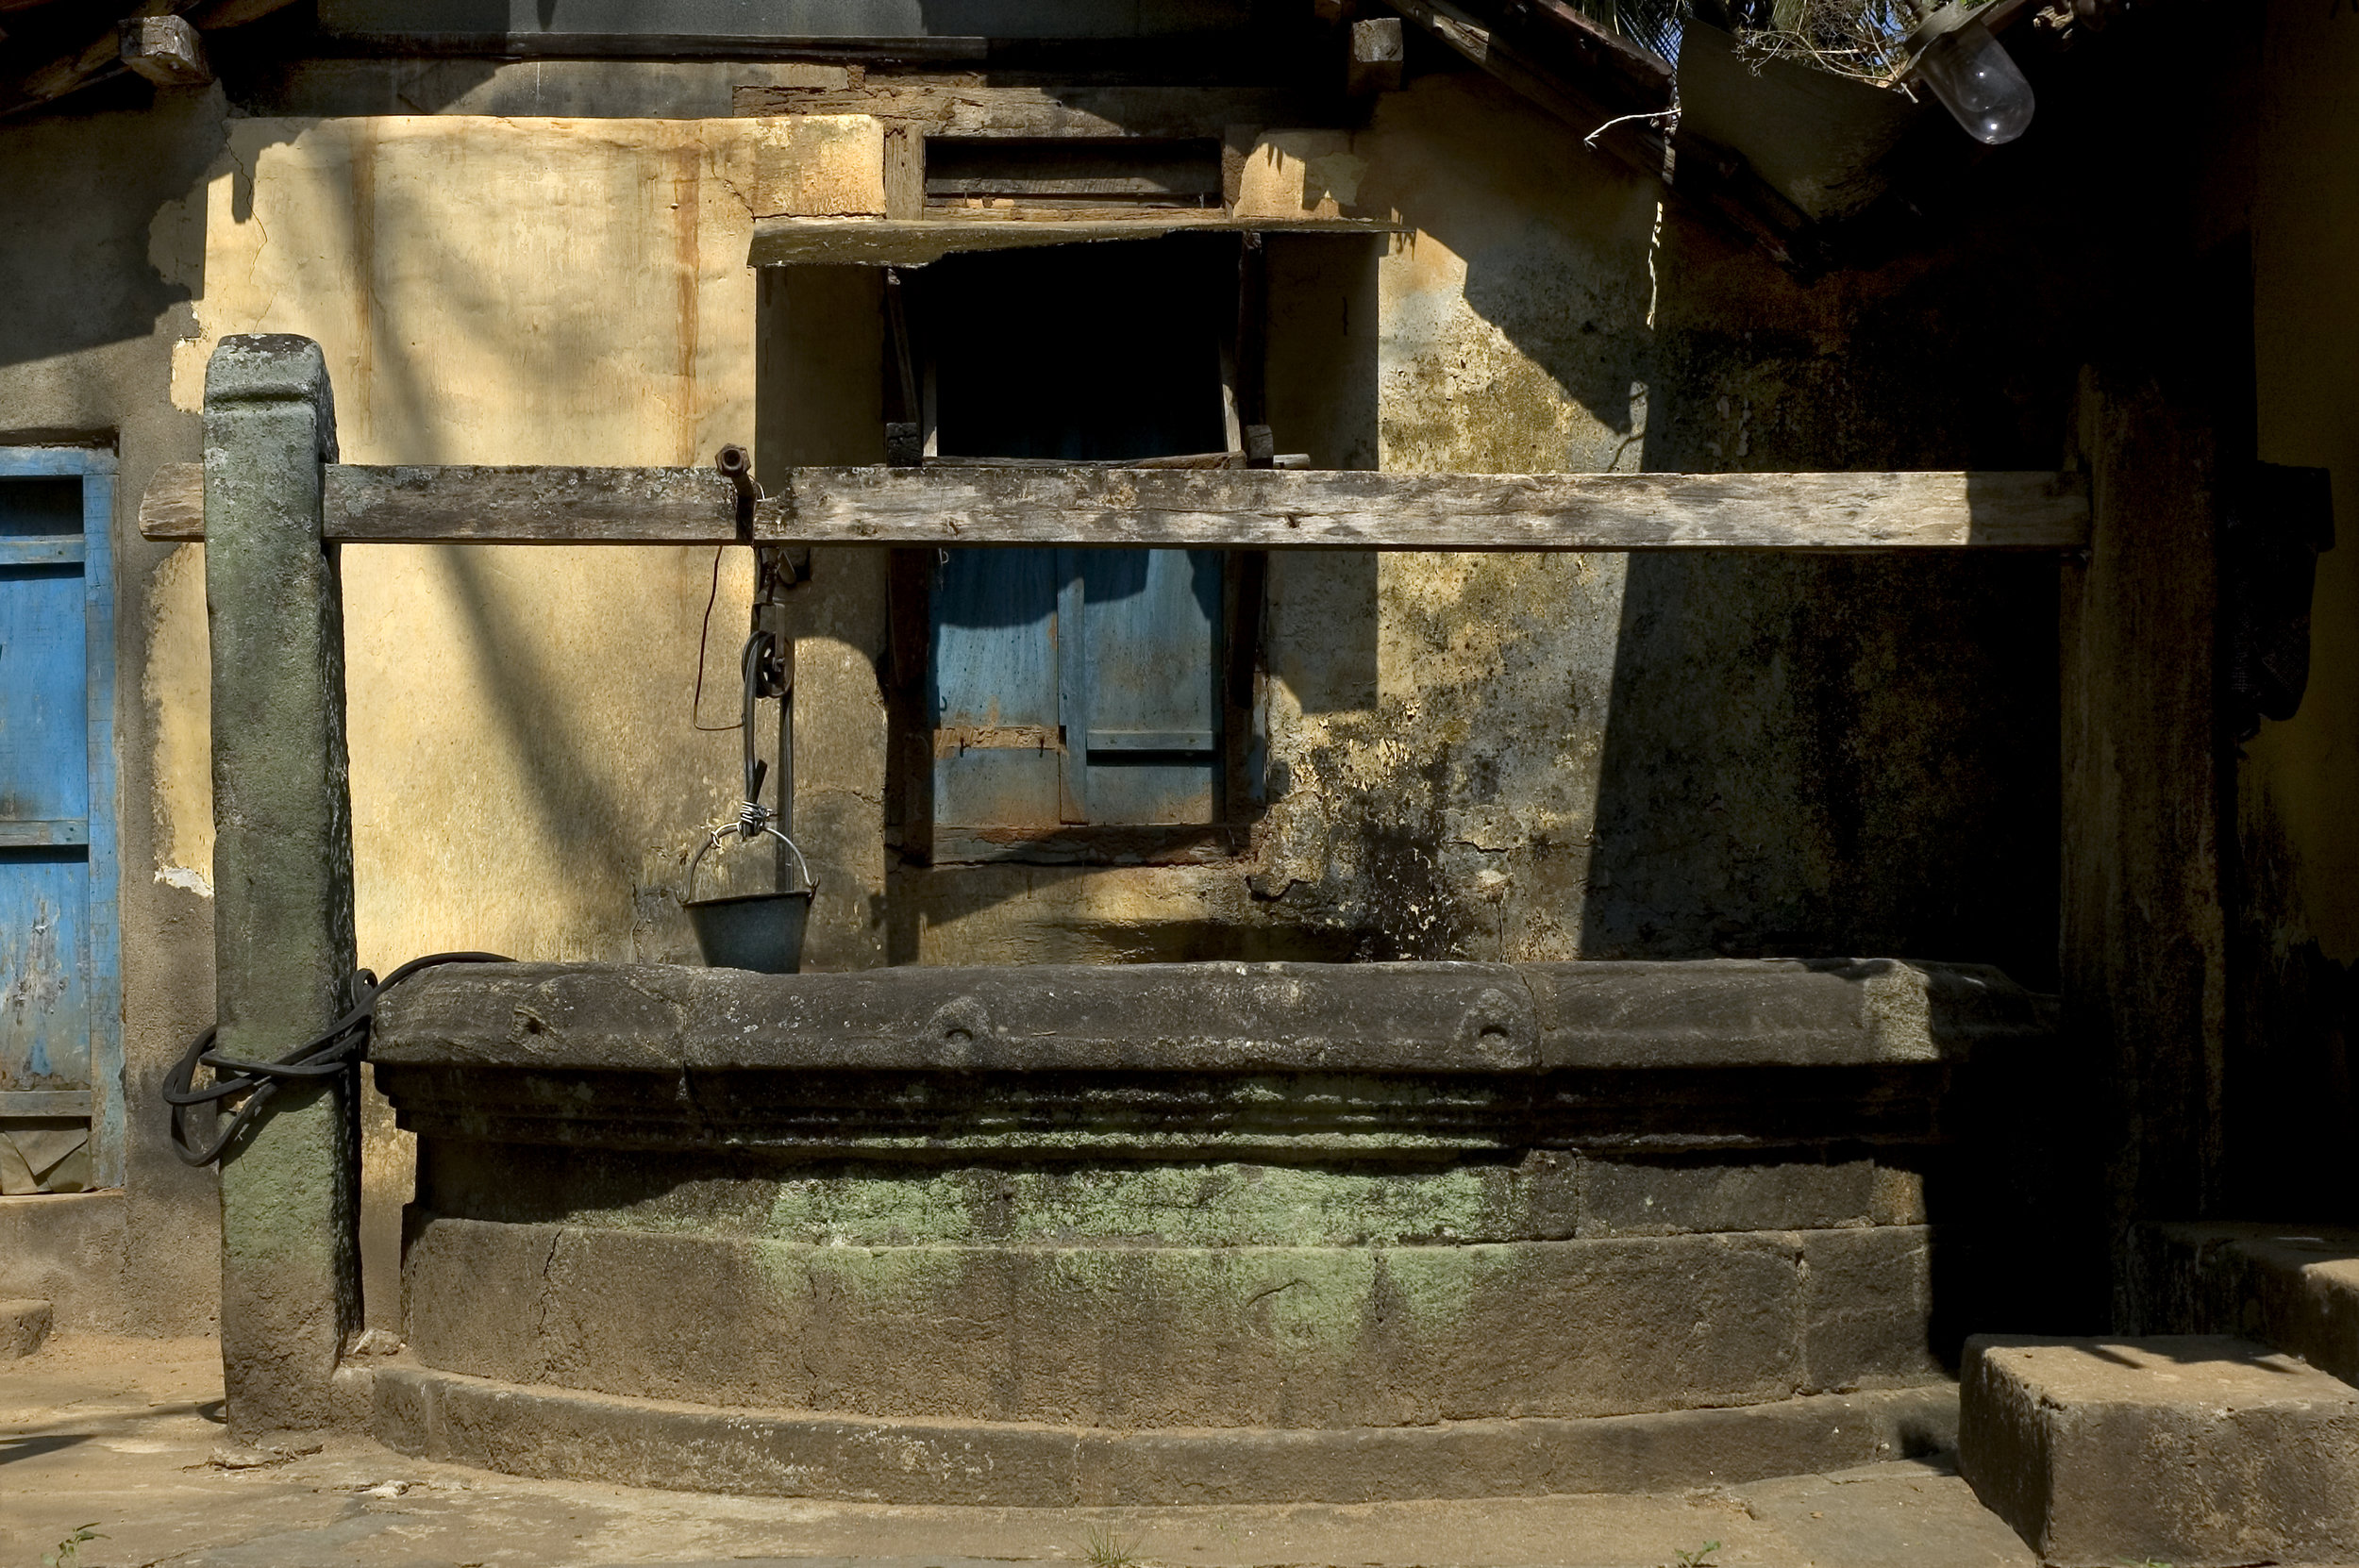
(339, 1048)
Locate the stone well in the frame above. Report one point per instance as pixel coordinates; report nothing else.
(1186, 1232)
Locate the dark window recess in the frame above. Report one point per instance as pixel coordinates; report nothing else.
(1073, 171)
(1075, 703)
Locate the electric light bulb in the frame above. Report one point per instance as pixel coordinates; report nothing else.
(1978, 82)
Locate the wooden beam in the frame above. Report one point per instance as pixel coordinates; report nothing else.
(103, 56)
(914, 242)
(486, 506)
(1377, 56)
(2143, 951)
(1208, 508)
(968, 106)
(1635, 142)
(1283, 508)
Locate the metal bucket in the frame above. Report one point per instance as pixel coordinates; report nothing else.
(761, 931)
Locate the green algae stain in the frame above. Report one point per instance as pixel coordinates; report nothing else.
(1194, 1205)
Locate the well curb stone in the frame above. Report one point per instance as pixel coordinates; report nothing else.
(551, 1433)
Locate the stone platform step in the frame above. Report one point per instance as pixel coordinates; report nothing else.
(2293, 1288)
(2204, 1451)
(24, 1327)
(544, 1432)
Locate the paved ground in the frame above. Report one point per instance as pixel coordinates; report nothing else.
(121, 1435)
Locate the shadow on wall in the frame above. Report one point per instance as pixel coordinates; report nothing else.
(1850, 754)
(1655, 755)
(80, 196)
(1514, 331)
(1861, 754)
(1806, 757)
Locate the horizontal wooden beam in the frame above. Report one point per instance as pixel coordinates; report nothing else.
(915, 242)
(1351, 509)
(970, 105)
(485, 506)
(44, 1102)
(1201, 508)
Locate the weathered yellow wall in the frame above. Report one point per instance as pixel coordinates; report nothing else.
(1539, 757)
(526, 776)
(1456, 700)
(2300, 785)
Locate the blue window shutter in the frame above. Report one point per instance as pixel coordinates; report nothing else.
(1151, 645)
(1076, 687)
(996, 690)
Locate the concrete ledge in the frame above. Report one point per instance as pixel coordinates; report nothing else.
(68, 1250)
(2195, 1450)
(1209, 1017)
(24, 1327)
(547, 1433)
(1162, 1337)
(2296, 1287)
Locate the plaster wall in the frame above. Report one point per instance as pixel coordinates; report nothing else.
(2306, 237)
(2299, 837)
(85, 355)
(1531, 757)
(528, 776)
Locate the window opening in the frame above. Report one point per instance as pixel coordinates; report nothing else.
(1073, 693)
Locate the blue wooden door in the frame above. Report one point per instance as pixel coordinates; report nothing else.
(59, 998)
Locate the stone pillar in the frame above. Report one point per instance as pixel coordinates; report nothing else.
(282, 876)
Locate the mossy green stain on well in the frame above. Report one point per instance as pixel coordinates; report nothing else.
(1198, 1205)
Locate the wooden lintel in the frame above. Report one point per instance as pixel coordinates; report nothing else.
(1202, 509)
(969, 105)
(915, 242)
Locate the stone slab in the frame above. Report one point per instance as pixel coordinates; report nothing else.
(550, 1433)
(1144, 1336)
(948, 1116)
(2293, 1287)
(24, 1327)
(2197, 1450)
(1431, 1017)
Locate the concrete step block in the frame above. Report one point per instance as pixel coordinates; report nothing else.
(2294, 1288)
(24, 1326)
(2196, 1450)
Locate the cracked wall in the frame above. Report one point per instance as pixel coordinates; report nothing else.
(1536, 756)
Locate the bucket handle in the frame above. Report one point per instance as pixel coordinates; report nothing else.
(713, 837)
